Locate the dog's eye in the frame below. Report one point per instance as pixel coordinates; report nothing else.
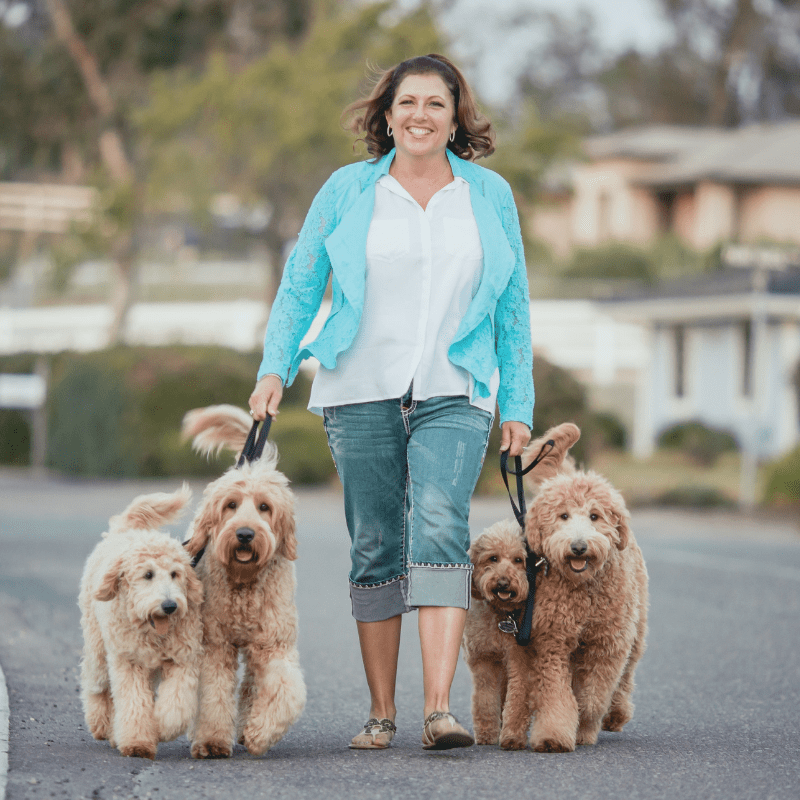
(232, 504)
(263, 507)
(148, 576)
(493, 559)
(174, 575)
(517, 560)
(594, 517)
(565, 515)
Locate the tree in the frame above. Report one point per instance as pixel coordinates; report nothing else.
(86, 67)
(271, 130)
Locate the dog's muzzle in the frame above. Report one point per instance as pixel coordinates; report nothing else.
(502, 591)
(244, 552)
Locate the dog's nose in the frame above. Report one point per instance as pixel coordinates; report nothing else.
(245, 535)
(169, 606)
(578, 548)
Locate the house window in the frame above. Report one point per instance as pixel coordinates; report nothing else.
(747, 358)
(680, 361)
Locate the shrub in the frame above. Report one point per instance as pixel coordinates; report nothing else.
(783, 480)
(701, 442)
(614, 260)
(694, 496)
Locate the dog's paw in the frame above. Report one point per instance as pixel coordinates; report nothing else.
(586, 738)
(513, 742)
(615, 720)
(258, 741)
(211, 750)
(482, 737)
(552, 745)
(139, 750)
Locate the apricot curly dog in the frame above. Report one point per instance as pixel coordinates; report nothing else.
(246, 525)
(500, 667)
(140, 614)
(590, 618)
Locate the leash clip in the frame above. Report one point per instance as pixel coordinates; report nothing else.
(543, 562)
(508, 625)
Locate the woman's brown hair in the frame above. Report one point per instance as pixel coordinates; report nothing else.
(474, 137)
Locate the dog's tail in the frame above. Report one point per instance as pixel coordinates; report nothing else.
(557, 459)
(149, 511)
(216, 427)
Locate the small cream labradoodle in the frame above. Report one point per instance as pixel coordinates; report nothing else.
(140, 614)
(246, 526)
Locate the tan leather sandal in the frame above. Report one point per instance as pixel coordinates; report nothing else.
(377, 735)
(443, 731)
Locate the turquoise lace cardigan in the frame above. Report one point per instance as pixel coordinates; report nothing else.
(495, 330)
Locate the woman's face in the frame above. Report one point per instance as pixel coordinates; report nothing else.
(422, 116)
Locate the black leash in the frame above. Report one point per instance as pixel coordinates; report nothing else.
(252, 450)
(533, 562)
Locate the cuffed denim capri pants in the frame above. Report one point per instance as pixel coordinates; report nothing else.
(408, 469)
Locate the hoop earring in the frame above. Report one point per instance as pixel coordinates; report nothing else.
(453, 136)
(389, 130)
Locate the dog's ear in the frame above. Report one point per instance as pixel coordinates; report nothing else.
(622, 521)
(563, 437)
(194, 588)
(201, 527)
(283, 524)
(475, 551)
(109, 586)
(533, 530)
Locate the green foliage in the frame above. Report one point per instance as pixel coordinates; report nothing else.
(694, 496)
(703, 443)
(118, 413)
(607, 431)
(613, 260)
(783, 481)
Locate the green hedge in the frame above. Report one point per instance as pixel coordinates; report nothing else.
(702, 443)
(783, 481)
(117, 413)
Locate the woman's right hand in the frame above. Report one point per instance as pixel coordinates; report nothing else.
(266, 397)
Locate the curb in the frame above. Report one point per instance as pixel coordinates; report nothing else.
(4, 715)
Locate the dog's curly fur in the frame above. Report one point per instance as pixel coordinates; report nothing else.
(500, 667)
(140, 614)
(590, 615)
(590, 619)
(249, 594)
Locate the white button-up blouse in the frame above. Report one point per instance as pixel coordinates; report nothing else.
(423, 268)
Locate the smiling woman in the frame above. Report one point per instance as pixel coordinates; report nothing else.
(429, 331)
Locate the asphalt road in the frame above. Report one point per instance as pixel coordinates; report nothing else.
(716, 705)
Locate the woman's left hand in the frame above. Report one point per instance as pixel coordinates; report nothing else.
(515, 435)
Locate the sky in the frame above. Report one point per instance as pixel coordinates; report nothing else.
(474, 27)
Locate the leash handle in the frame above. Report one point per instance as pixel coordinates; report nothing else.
(254, 444)
(520, 511)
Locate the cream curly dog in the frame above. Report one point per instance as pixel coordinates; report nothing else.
(500, 667)
(590, 618)
(246, 525)
(140, 614)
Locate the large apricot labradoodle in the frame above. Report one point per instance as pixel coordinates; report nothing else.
(140, 614)
(246, 525)
(500, 667)
(590, 619)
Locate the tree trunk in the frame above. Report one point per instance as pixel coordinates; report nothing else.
(112, 152)
(735, 47)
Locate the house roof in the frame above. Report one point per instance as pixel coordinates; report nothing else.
(721, 295)
(683, 155)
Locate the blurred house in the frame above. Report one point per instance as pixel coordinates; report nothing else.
(35, 208)
(724, 349)
(706, 185)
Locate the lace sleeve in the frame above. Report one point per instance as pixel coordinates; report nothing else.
(302, 287)
(515, 396)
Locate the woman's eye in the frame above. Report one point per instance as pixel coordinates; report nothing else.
(148, 575)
